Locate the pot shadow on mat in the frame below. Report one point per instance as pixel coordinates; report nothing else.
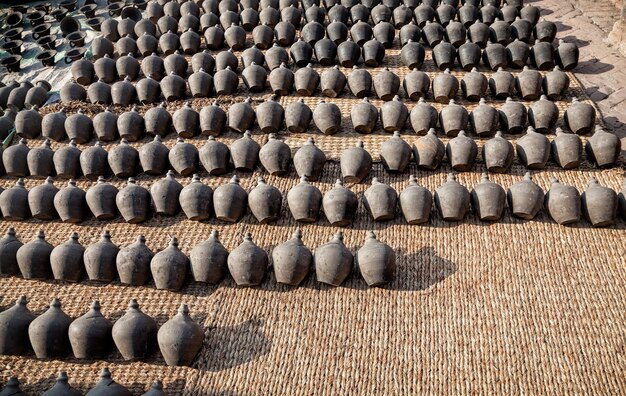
(230, 346)
(420, 270)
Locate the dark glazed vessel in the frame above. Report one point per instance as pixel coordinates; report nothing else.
(333, 261)
(563, 203)
(14, 324)
(133, 263)
(9, 245)
(66, 260)
(209, 260)
(452, 199)
(376, 261)
(416, 202)
(169, 267)
(488, 199)
(180, 330)
(248, 263)
(48, 333)
(525, 198)
(292, 260)
(304, 201)
(135, 333)
(100, 259)
(70, 203)
(90, 334)
(599, 204)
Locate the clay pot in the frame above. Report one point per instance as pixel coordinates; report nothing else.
(452, 199)
(48, 333)
(298, 116)
(263, 36)
(309, 160)
(443, 55)
(281, 80)
(563, 203)
(190, 42)
(173, 87)
(567, 149)
(513, 117)
(108, 29)
(555, 83)
(325, 51)
(17, 96)
(215, 157)
(356, 164)
(380, 200)
(94, 161)
(146, 44)
(360, 82)
(461, 152)
(528, 84)
(180, 330)
(484, 119)
(361, 32)
(423, 117)
(292, 260)
(340, 205)
(123, 92)
(15, 159)
(445, 87)
(67, 161)
(247, 263)
(208, 260)
(412, 55)
(169, 267)
(200, 84)
(176, 63)
(542, 56)
(428, 151)
(333, 81)
(474, 85)
(203, 60)
(37, 95)
(599, 204)
(411, 32)
(348, 53)
(28, 123)
(276, 56)
(306, 81)
(70, 203)
(579, 117)
(386, 84)
(99, 93)
(533, 149)
(333, 261)
(327, 117)
(152, 66)
(393, 115)
(245, 153)
(265, 202)
(196, 200)
(7, 121)
(488, 199)
(105, 125)
(566, 55)
(602, 149)
(364, 116)
(62, 387)
(453, 118)
(39, 160)
(395, 154)
(186, 121)
(416, 202)
(135, 333)
(133, 202)
(33, 258)
(9, 246)
(254, 77)
(304, 201)
(275, 156)
(133, 265)
(41, 200)
(373, 53)
(270, 116)
(498, 154)
(123, 159)
(67, 260)
(502, 84)
(165, 194)
(230, 201)
(214, 37)
(432, 33)
(106, 384)
(543, 115)
(517, 54)
(455, 34)
(544, 31)
(100, 259)
(105, 69)
(101, 200)
(226, 81)
(127, 66)
(79, 127)
(241, 116)
(212, 120)
(376, 261)
(158, 121)
(525, 198)
(5, 92)
(14, 324)
(90, 334)
(13, 202)
(522, 29)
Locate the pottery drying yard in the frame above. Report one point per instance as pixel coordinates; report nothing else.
(511, 306)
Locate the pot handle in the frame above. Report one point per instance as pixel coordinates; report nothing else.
(66, 60)
(72, 44)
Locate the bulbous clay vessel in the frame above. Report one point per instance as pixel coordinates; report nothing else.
(393, 115)
(484, 119)
(14, 324)
(241, 116)
(62, 387)
(304, 201)
(135, 333)
(9, 245)
(212, 120)
(215, 156)
(528, 84)
(298, 116)
(158, 121)
(555, 84)
(28, 123)
(79, 127)
(461, 152)
(340, 205)
(72, 91)
(90, 334)
(154, 157)
(148, 89)
(165, 194)
(173, 87)
(327, 118)
(542, 56)
(356, 164)
(12, 388)
(452, 199)
(107, 386)
(525, 198)
(423, 117)
(416, 84)
(488, 199)
(453, 118)
(131, 125)
(580, 117)
(395, 154)
(196, 200)
(245, 153)
(386, 84)
(123, 159)
(292, 260)
(186, 121)
(533, 149)
(133, 202)
(333, 261)
(474, 85)
(562, 203)
(94, 161)
(567, 149)
(281, 80)
(412, 55)
(306, 80)
(48, 333)
(416, 202)
(66, 260)
(14, 202)
(364, 116)
(265, 202)
(230, 201)
(248, 263)
(599, 204)
(100, 259)
(603, 148)
(101, 200)
(14, 159)
(566, 55)
(183, 157)
(429, 150)
(445, 87)
(270, 116)
(309, 160)
(376, 261)
(180, 330)
(123, 92)
(332, 82)
(99, 93)
(67, 161)
(70, 203)
(502, 84)
(208, 260)
(380, 200)
(53, 125)
(169, 267)
(513, 117)
(133, 263)
(543, 115)
(275, 156)
(498, 154)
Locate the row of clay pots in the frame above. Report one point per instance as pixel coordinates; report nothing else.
(16, 95)
(54, 334)
(209, 262)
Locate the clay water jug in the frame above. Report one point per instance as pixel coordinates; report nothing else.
(208, 260)
(33, 258)
(469, 55)
(67, 161)
(332, 82)
(484, 119)
(298, 116)
(17, 96)
(265, 202)
(181, 329)
(364, 116)
(147, 44)
(360, 82)
(15, 159)
(543, 115)
(309, 160)
(62, 387)
(502, 84)
(169, 267)
(461, 152)
(393, 115)
(226, 81)
(203, 60)
(248, 263)
(498, 154)
(306, 80)
(599, 204)
(105, 125)
(567, 149)
(453, 118)
(376, 261)
(14, 202)
(230, 201)
(275, 156)
(100, 259)
(432, 33)
(356, 163)
(327, 118)
(474, 85)
(70, 203)
(281, 80)
(423, 117)
(66, 260)
(48, 333)
(183, 157)
(373, 53)
(94, 161)
(123, 159)
(14, 324)
(566, 55)
(488, 199)
(90, 334)
(333, 261)
(445, 87)
(9, 245)
(580, 117)
(517, 53)
(100, 92)
(528, 84)
(133, 263)
(79, 127)
(386, 84)
(165, 194)
(348, 53)
(39, 160)
(563, 203)
(41, 200)
(533, 149)
(380, 200)
(135, 333)
(212, 120)
(28, 123)
(241, 116)
(196, 200)
(429, 150)
(107, 386)
(525, 198)
(133, 202)
(513, 117)
(82, 70)
(416, 202)
(340, 205)
(101, 200)
(292, 260)
(270, 116)
(215, 156)
(452, 199)
(395, 154)
(245, 153)
(153, 157)
(602, 149)
(304, 201)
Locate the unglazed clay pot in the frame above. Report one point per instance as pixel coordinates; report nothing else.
(543, 115)
(180, 330)
(67, 161)
(123, 159)
(555, 84)
(453, 118)
(445, 87)
(41, 200)
(525, 198)
(14, 159)
(123, 92)
(376, 261)
(429, 150)
(48, 333)
(461, 152)
(106, 386)
(599, 204)
(513, 117)
(169, 267)
(154, 157)
(412, 55)
(165, 194)
(14, 202)
(90, 334)
(563, 203)
(306, 80)
(158, 121)
(100, 259)
(230, 201)
(99, 93)
(245, 153)
(298, 116)
(356, 164)
(488, 199)
(395, 154)
(364, 116)
(393, 115)
(101, 200)
(275, 156)
(502, 84)
(214, 156)
(340, 205)
(484, 119)
(72, 91)
(14, 324)
(292, 260)
(333, 261)
(130, 125)
(53, 125)
(580, 117)
(602, 149)
(212, 120)
(66, 260)
(183, 157)
(148, 89)
(186, 121)
(498, 154)
(62, 387)
(474, 85)
(196, 200)
(533, 149)
(452, 199)
(135, 333)
(416, 84)
(423, 117)
(248, 263)
(416, 202)
(327, 118)
(9, 245)
(28, 123)
(380, 200)
(265, 202)
(309, 160)
(304, 201)
(209, 260)
(133, 263)
(70, 203)
(270, 116)
(79, 127)
(567, 149)
(241, 116)
(566, 55)
(94, 161)
(133, 202)
(386, 84)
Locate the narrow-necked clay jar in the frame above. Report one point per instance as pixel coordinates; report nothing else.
(474, 85)
(603, 148)
(376, 261)
(14, 202)
(356, 163)
(62, 387)
(131, 125)
(395, 154)
(453, 118)
(265, 202)
(245, 153)
(158, 120)
(461, 152)
(67, 161)
(525, 198)
(445, 87)
(186, 121)
(488, 199)
(99, 259)
(212, 120)
(428, 151)
(48, 333)
(599, 204)
(513, 116)
(502, 84)
(270, 115)
(580, 117)
(154, 157)
(452, 199)
(196, 200)
(214, 156)
(123, 159)
(53, 125)
(9, 245)
(106, 385)
(380, 200)
(133, 202)
(423, 117)
(90, 334)
(79, 127)
(393, 115)
(340, 205)
(275, 156)
(28, 123)
(533, 149)
(99, 93)
(70, 203)
(364, 116)
(133, 263)
(562, 202)
(39, 160)
(248, 263)
(304, 201)
(416, 84)
(14, 159)
(180, 330)
(66, 260)
(33, 258)
(230, 201)
(94, 161)
(333, 261)
(484, 119)
(292, 260)
(183, 157)
(498, 154)
(208, 260)
(567, 149)
(135, 333)
(327, 118)
(101, 200)
(14, 324)
(543, 115)
(309, 160)
(416, 202)
(241, 116)
(555, 84)
(165, 194)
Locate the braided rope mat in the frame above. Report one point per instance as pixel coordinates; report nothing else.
(510, 307)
